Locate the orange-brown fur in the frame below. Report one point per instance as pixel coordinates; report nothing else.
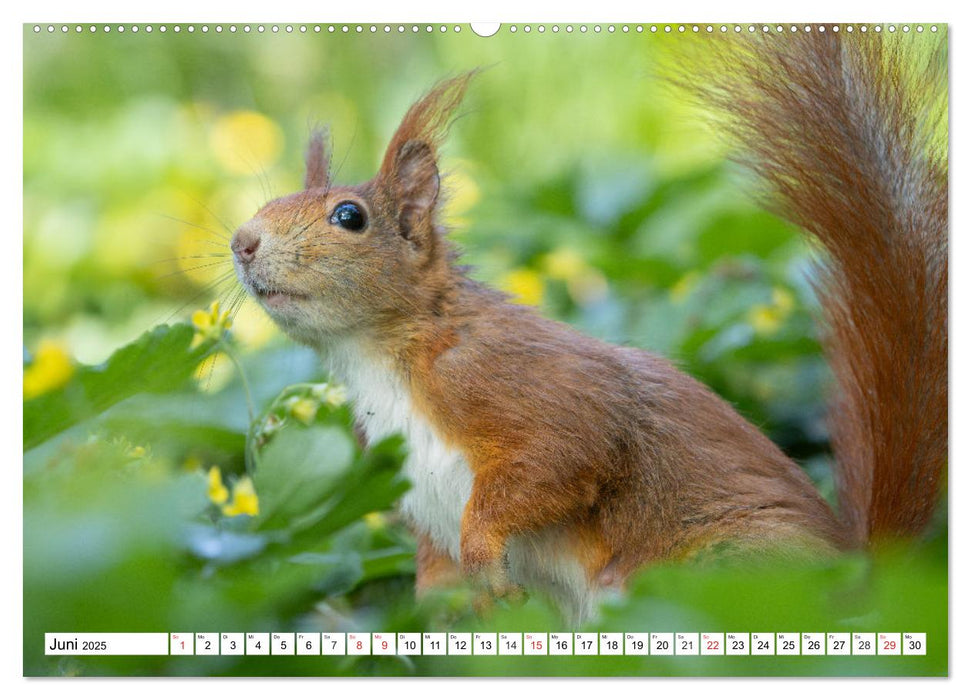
(612, 448)
(867, 179)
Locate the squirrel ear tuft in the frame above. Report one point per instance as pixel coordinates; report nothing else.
(318, 161)
(410, 166)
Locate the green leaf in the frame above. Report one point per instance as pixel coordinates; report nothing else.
(299, 468)
(373, 484)
(160, 360)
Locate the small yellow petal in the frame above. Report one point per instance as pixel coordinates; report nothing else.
(51, 369)
(245, 501)
(304, 410)
(375, 520)
(201, 320)
(245, 142)
(764, 319)
(210, 324)
(218, 493)
(525, 286)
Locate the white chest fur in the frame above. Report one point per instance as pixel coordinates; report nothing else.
(442, 482)
(440, 477)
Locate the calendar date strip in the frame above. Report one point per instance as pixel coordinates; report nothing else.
(487, 644)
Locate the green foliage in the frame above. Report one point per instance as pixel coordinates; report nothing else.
(156, 362)
(578, 183)
(128, 537)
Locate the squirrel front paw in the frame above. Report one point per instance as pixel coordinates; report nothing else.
(483, 561)
(485, 601)
(494, 585)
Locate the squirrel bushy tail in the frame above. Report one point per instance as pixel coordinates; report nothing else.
(847, 133)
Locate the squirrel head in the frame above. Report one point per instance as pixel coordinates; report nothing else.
(332, 260)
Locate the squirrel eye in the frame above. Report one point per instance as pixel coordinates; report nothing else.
(349, 216)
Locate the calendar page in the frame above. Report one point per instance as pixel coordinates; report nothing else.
(546, 349)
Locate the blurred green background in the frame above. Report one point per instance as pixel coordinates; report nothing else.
(578, 181)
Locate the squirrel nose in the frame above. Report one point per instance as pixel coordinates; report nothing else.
(244, 245)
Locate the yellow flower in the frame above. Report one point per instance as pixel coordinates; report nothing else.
(246, 142)
(245, 501)
(50, 370)
(766, 319)
(137, 452)
(304, 410)
(564, 264)
(218, 493)
(210, 324)
(374, 520)
(525, 286)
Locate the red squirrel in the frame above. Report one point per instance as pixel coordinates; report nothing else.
(543, 458)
